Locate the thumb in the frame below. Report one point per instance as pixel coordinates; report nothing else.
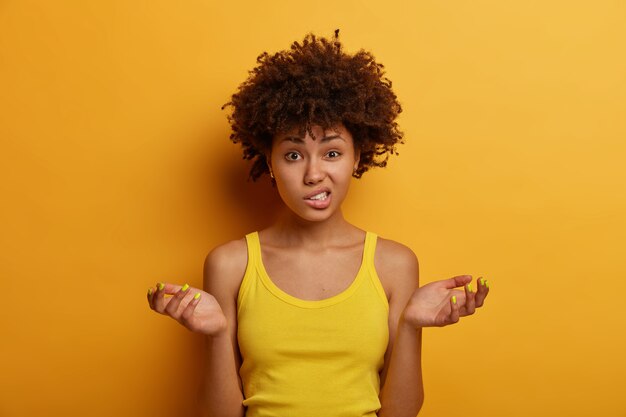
(457, 281)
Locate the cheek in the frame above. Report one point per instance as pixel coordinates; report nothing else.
(287, 185)
(342, 171)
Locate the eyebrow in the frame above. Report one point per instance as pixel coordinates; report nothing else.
(297, 139)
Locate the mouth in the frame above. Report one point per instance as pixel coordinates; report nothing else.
(320, 196)
(319, 199)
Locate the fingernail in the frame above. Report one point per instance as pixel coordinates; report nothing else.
(454, 299)
(161, 285)
(487, 284)
(195, 297)
(149, 291)
(481, 280)
(469, 287)
(185, 288)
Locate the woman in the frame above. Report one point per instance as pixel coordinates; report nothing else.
(313, 316)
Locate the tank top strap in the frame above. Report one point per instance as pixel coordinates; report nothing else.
(369, 252)
(370, 248)
(254, 247)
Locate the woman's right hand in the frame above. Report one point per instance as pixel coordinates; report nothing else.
(199, 313)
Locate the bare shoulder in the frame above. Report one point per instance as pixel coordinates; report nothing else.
(394, 257)
(224, 267)
(397, 266)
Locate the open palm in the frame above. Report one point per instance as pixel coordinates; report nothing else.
(439, 304)
(199, 313)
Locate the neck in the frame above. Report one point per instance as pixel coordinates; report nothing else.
(293, 230)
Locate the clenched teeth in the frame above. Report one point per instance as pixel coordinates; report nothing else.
(320, 196)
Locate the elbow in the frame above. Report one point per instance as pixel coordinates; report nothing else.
(420, 403)
(208, 409)
(234, 411)
(225, 407)
(220, 413)
(419, 407)
(410, 409)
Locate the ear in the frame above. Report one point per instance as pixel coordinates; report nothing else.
(357, 158)
(268, 158)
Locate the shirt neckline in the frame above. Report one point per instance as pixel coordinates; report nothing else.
(313, 303)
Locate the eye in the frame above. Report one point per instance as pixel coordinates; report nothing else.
(289, 154)
(338, 153)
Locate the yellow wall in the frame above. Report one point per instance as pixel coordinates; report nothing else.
(117, 172)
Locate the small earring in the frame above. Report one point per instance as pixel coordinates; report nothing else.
(271, 174)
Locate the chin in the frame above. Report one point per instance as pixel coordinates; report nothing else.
(302, 210)
(319, 218)
(313, 215)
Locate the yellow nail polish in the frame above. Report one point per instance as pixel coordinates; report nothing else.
(149, 291)
(185, 288)
(487, 284)
(454, 299)
(195, 297)
(469, 287)
(481, 280)
(161, 286)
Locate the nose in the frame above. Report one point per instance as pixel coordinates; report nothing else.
(314, 172)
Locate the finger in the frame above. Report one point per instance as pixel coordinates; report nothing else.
(158, 298)
(470, 299)
(454, 313)
(174, 303)
(457, 281)
(482, 292)
(461, 298)
(149, 296)
(170, 289)
(187, 313)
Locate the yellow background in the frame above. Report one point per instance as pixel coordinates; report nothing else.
(117, 172)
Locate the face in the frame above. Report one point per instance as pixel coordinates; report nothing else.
(313, 176)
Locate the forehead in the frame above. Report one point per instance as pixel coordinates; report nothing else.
(335, 134)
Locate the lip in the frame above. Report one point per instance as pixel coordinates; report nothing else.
(316, 192)
(320, 204)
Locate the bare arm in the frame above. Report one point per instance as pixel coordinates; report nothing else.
(402, 390)
(221, 393)
(438, 304)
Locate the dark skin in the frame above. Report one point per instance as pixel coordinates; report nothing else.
(313, 253)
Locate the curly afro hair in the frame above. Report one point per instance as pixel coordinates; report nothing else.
(316, 83)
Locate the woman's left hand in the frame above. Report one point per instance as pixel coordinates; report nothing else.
(434, 303)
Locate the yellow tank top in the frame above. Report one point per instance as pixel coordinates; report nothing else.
(311, 358)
